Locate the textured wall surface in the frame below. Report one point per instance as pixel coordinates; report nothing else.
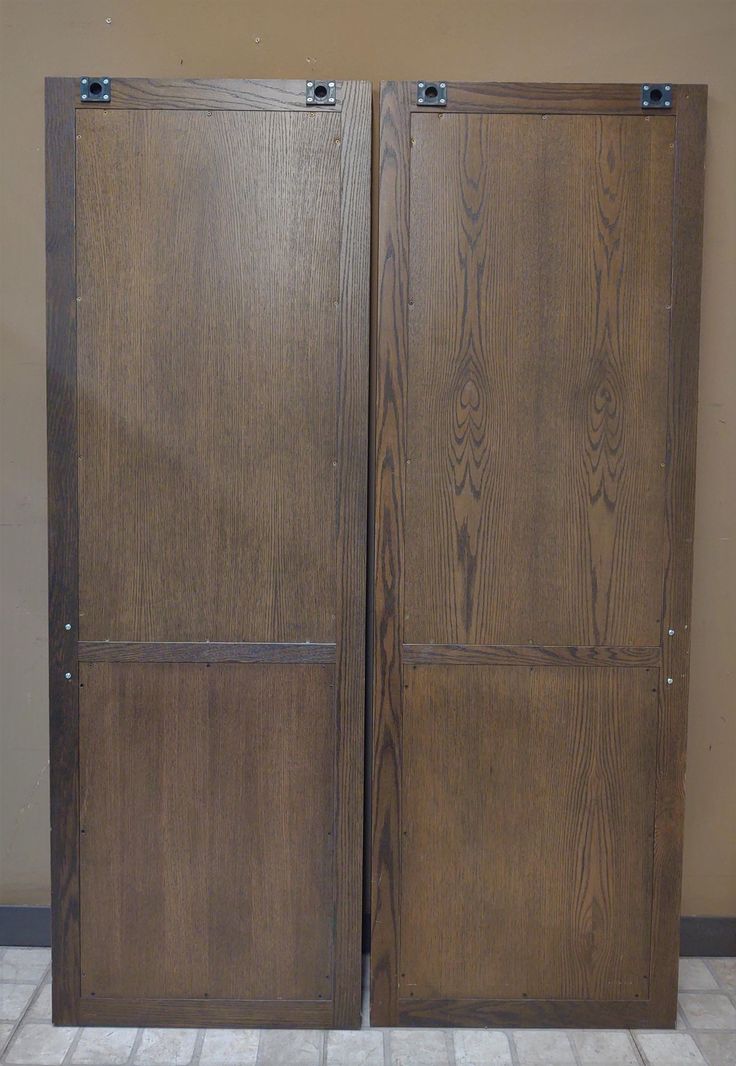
(558, 40)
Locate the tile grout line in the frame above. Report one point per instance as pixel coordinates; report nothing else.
(135, 1045)
(512, 1047)
(21, 1018)
(575, 1053)
(198, 1045)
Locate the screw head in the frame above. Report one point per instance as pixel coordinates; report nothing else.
(331, 84)
(668, 87)
(84, 81)
(105, 81)
(68, 676)
(667, 103)
(670, 680)
(310, 84)
(645, 103)
(421, 84)
(645, 87)
(105, 97)
(442, 85)
(84, 96)
(671, 632)
(68, 625)
(332, 99)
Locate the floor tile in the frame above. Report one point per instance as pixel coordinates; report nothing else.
(41, 1008)
(695, 976)
(40, 1044)
(355, 1049)
(5, 1030)
(599, 1048)
(14, 998)
(24, 964)
(719, 1049)
(481, 1047)
(171, 1046)
(230, 1045)
(725, 972)
(290, 1047)
(543, 1047)
(99, 1044)
(669, 1049)
(419, 1047)
(708, 1010)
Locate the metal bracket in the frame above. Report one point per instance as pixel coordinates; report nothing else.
(432, 93)
(95, 90)
(321, 94)
(656, 96)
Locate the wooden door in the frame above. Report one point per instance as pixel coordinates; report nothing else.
(535, 403)
(208, 386)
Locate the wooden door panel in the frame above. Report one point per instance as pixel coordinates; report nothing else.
(528, 813)
(208, 300)
(537, 378)
(535, 404)
(207, 836)
(204, 477)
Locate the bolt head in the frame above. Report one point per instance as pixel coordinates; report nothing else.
(68, 676)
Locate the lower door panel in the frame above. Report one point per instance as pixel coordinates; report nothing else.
(528, 814)
(206, 831)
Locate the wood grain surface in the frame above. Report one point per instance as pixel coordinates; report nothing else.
(221, 255)
(538, 317)
(534, 418)
(207, 484)
(61, 387)
(526, 846)
(206, 822)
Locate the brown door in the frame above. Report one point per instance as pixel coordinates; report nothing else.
(208, 385)
(539, 262)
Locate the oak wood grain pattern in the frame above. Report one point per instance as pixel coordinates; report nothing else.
(62, 540)
(206, 811)
(531, 98)
(539, 285)
(682, 409)
(532, 1013)
(351, 506)
(225, 94)
(214, 1013)
(527, 821)
(193, 94)
(207, 485)
(207, 652)
(510, 655)
(389, 429)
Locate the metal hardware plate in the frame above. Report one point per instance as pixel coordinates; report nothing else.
(321, 94)
(95, 90)
(656, 95)
(432, 93)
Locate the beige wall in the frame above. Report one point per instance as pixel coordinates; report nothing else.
(598, 40)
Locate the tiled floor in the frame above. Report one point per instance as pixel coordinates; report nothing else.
(706, 1034)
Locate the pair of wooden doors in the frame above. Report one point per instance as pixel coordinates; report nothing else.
(535, 371)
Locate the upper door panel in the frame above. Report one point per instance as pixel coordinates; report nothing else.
(208, 275)
(539, 280)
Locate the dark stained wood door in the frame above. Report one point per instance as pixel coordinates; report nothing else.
(208, 391)
(535, 401)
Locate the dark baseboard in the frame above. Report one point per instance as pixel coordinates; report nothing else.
(25, 927)
(710, 937)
